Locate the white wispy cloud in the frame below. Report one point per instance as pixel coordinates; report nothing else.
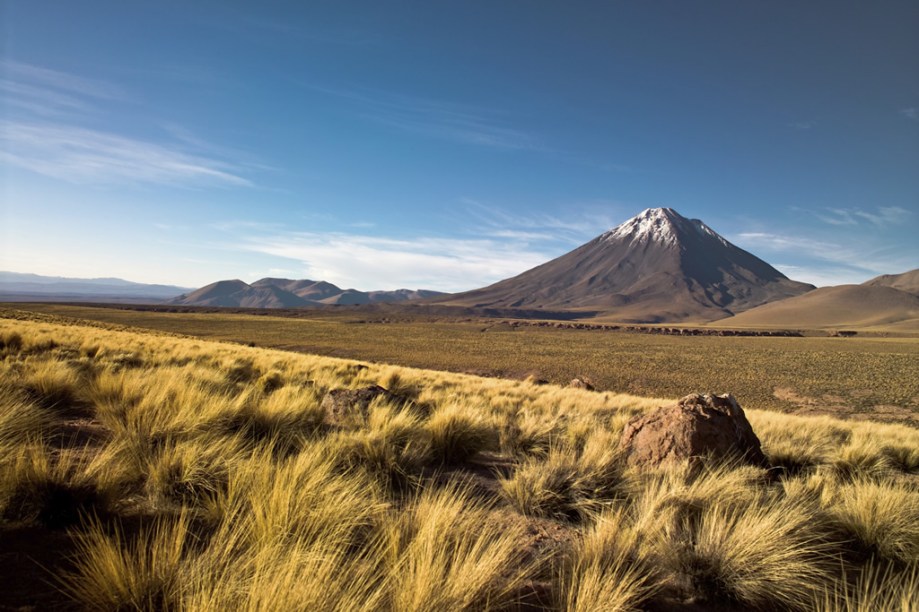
(60, 81)
(784, 242)
(882, 216)
(885, 215)
(586, 221)
(52, 134)
(83, 155)
(802, 125)
(488, 244)
(836, 216)
(374, 262)
(433, 118)
(826, 262)
(40, 100)
(910, 113)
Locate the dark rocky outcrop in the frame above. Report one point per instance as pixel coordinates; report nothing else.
(341, 405)
(691, 429)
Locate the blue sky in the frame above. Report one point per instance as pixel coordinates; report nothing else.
(379, 145)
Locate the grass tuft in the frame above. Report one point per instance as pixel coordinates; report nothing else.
(768, 555)
(605, 569)
(881, 518)
(121, 572)
(457, 434)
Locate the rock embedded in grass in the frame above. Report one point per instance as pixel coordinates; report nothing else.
(581, 383)
(342, 405)
(696, 427)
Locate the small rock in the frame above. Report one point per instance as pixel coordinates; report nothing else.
(581, 383)
(696, 426)
(343, 404)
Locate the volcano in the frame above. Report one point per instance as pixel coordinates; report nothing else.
(656, 267)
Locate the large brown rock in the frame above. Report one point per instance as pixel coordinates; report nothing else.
(341, 405)
(695, 427)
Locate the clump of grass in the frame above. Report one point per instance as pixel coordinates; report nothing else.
(125, 361)
(902, 458)
(448, 553)
(770, 554)
(55, 387)
(605, 569)
(526, 435)
(20, 420)
(458, 433)
(666, 500)
(544, 488)
(112, 392)
(307, 498)
(271, 382)
(284, 420)
(396, 383)
(55, 494)
(601, 470)
(296, 575)
(242, 371)
(186, 475)
(11, 342)
(118, 572)
(566, 485)
(879, 587)
(862, 458)
(881, 518)
(393, 447)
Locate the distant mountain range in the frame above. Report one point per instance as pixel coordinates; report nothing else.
(17, 286)
(264, 293)
(656, 267)
(286, 293)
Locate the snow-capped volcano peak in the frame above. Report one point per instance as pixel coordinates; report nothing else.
(663, 225)
(657, 266)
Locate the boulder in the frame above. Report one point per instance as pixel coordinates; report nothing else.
(581, 383)
(344, 404)
(691, 429)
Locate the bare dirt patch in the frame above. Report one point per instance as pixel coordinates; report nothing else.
(840, 407)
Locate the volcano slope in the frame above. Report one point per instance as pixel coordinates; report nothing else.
(656, 267)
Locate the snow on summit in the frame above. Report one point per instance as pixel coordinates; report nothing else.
(662, 225)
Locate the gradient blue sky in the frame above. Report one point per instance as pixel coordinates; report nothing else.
(449, 145)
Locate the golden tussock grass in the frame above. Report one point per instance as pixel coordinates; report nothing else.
(186, 474)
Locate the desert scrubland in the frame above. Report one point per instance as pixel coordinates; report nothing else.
(145, 470)
(872, 375)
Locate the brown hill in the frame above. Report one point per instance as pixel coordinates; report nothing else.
(856, 306)
(907, 281)
(287, 293)
(236, 293)
(656, 267)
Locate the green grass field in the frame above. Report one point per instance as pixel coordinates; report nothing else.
(861, 376)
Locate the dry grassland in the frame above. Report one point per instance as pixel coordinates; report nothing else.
(860, 377)
(154, 472)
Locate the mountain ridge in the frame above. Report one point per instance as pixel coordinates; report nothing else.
(14, 284)
(655, 267)
(879, 302)
(288, 293)
(905, 281)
